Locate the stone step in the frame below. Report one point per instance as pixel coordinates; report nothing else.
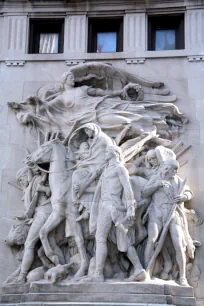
(126, 288)
(82, 304)
(113, 293)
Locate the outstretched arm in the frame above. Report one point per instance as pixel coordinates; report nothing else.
(97, 92)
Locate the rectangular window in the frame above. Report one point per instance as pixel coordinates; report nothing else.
(166, 32)
(46, 36)
(105, 35)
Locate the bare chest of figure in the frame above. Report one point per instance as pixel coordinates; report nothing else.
(111, 181)
(75, 98)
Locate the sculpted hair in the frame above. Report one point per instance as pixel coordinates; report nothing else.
(171, 162)
(115, 150)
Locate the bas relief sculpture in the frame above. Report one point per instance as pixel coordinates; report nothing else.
(102, 198)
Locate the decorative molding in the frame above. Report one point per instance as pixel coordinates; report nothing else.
(196, 58)
(135, 60)
(15, 63)
(74, 62)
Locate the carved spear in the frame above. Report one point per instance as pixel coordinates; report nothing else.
(160, 243)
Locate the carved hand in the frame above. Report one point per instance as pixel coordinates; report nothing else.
(131, 212)
(180, 198)
(159, 184)
(22, 217)
(76, 188)
(99, 171)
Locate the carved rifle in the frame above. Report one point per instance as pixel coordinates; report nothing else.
(15, 185)
(162, 237)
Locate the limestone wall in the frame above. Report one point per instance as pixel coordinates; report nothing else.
(22, 74)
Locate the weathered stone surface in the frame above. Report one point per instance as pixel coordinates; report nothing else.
(120, 293)
(184, 78)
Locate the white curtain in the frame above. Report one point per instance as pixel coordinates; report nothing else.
(49, 43)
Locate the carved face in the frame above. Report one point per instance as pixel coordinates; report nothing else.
(84, 146)
(89, 132)
(23, 180)
(169, 171)
(70, 80)
(152, 158)
(111, 152)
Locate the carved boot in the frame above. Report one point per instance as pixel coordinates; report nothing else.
(20, 280)
(97, 277)
(83, 268)
(183, 282)
(137, 276)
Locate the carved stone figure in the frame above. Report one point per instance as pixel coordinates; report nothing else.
(61, 163)
(36, 199)
(84, 178)
(94, 221)
(113, 209)
(166, 188)
(68, 105)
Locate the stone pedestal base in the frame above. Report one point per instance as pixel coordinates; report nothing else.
(100, 294)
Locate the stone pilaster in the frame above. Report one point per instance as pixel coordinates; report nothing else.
(15, 35)
(135, 32)
(194, 29)
(75, 34)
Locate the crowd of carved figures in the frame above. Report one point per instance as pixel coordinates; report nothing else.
(102, 198)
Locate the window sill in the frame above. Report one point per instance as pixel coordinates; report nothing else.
(70, 57)
(166, 53)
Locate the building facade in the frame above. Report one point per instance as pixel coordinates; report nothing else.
(157, 40)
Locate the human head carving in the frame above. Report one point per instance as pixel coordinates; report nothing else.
(151, 159)
(113, 151)
(68, 79)
(22, 177)
(169, 168)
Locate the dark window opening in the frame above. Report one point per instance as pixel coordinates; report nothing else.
(46, 36)
(105, 35)
(166, 32)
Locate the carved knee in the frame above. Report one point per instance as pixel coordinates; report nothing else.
(100, 238)
(42, 234)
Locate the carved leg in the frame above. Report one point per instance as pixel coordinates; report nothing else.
(56, 249)
(177, 239)
(167, 263)
(10, 279)
(72, 215)
(139, 273)
(30, 243)
(153, 234)
(46, 262)
(52, 222)
(103, 227)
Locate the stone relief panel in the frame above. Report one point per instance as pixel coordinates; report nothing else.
(102, 198)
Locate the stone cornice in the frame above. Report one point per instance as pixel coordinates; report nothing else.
(97, 5)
